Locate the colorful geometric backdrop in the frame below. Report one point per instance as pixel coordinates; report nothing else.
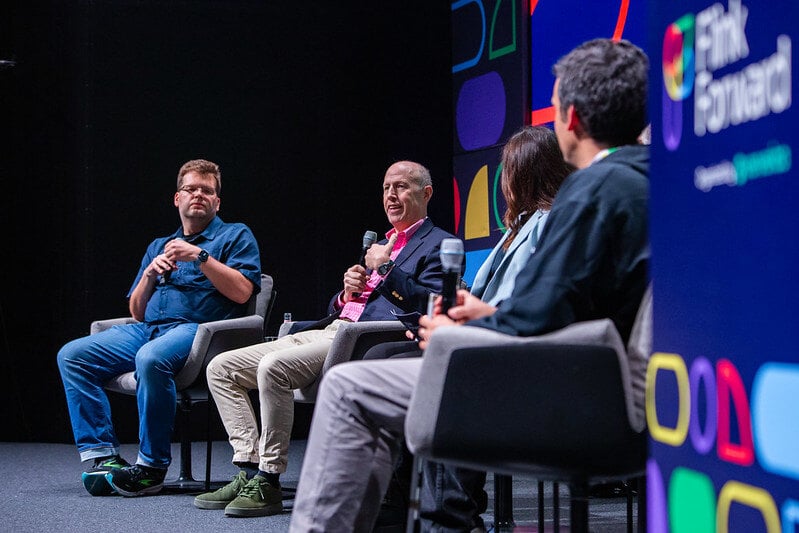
(503, 52)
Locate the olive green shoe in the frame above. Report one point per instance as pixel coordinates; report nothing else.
(257, 498)
(221, 497)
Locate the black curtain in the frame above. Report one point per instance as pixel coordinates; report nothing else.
(304, 105)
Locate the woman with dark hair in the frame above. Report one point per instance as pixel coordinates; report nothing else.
(532, 172)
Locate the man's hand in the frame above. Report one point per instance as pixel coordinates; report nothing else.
(160, 265)
(180, 250)
(427, 325)
(174, 251)
(470, 308)
(377, 254)
(354, 282)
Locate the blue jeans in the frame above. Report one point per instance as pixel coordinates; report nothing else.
(156, 353)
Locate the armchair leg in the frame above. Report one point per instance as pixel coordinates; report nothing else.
(208, 443)
(628, 491)
(641, 485)
(555, 507)
(185, 481)
(541, 507)
(413, 523)
(503, 502)
(579, 507)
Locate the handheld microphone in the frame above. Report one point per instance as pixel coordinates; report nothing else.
(166, 276)
(369, 238)
(451, 260)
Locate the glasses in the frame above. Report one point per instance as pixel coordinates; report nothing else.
(191, 189)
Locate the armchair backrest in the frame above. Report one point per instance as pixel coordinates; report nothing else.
(639, 348)
(262, 303)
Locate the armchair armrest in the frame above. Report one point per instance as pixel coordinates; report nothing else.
(211, 339)
(351, 342)
(287, 328)
(101, 325)
(215, 337)
(353, 339)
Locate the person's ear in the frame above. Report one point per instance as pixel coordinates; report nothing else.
(574, 124)
(572, 120)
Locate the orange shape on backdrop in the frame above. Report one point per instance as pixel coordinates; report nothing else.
(545, 115)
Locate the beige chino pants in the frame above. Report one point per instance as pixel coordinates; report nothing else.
(274, 368)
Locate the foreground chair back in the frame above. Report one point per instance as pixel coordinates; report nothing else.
(212, 338)
(567, 406)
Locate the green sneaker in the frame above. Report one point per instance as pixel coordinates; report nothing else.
(94, 480)
(257, 498)
(221, 497)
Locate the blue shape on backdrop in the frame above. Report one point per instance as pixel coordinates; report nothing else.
(480, 111)
(774, 424)
(474, 260)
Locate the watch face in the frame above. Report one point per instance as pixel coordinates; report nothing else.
(202, 256)
(384, 268)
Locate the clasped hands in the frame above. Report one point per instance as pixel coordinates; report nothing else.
(174, 251)
(468, 307)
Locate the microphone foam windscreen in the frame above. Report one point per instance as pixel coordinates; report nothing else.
(369, 238)
(451, 254)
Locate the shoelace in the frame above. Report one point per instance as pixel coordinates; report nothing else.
(135, 473)
(252, 488)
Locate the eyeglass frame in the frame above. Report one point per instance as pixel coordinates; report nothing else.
(205, 191)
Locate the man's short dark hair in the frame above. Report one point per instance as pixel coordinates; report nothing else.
(606, 82)
(204, 168)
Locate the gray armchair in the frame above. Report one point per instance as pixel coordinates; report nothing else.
(212, 338)
(567, 406)
(351, 342)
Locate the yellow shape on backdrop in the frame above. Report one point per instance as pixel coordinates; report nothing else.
(476, 224)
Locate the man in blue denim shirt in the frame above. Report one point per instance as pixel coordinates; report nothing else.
(207, 270)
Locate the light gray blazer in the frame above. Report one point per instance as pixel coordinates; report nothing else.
(500, 286)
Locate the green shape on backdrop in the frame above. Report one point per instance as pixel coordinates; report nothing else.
(692, 502)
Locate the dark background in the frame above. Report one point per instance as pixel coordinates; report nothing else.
(303, 104)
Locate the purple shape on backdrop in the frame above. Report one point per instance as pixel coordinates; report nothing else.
(702, 370)
(480, 111)
(656, 512)
(672, 122)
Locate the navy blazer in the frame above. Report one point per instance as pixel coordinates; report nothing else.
(417, 272)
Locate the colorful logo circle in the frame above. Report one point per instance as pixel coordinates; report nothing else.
(678, 58)
(678, 76)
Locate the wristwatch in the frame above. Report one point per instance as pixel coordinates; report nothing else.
(385, 267)
(202, 257)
